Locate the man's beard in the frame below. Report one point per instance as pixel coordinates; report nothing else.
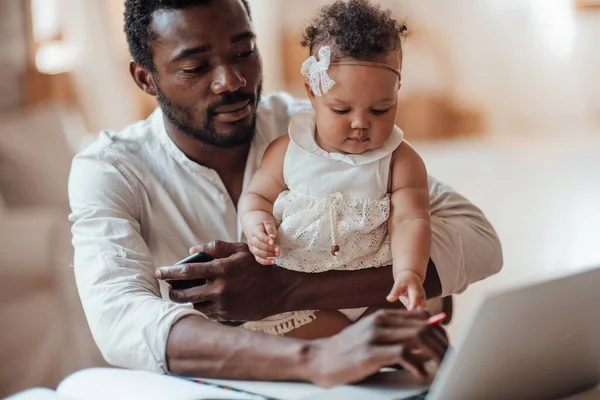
(181, 118)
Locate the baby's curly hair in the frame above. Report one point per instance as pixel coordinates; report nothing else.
(356, 29)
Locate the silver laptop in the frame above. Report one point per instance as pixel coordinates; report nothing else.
(539, 341)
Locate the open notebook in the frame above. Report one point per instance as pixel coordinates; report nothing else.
(109, 383)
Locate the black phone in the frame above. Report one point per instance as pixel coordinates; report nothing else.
(186, 284)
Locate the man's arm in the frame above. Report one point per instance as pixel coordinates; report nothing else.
(465, 246)
(240, 289)
(464, 249)
(114, 270)
(198, 347)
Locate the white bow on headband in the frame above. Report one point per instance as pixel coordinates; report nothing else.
(316, 71)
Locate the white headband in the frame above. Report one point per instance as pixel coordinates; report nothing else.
(316, 70)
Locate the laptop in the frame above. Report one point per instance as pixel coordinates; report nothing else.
(538, 341)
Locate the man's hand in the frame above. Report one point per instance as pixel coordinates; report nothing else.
(387, 337)
(237, 288)
(198, 347)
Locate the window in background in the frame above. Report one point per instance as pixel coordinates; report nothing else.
(53, 55)
(555, 25)
(50, 57)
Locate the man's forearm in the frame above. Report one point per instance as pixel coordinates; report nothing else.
(199, 347)
(334, 290)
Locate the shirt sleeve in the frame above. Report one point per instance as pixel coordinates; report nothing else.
(465, 247)
(114, 271)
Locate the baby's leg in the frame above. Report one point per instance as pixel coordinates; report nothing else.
(326, 324)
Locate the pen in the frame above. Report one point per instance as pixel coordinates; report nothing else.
(436, 319)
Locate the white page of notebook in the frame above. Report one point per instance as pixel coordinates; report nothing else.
(113, 383)
(389, 384)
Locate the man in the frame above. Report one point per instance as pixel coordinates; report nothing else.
(141, 197)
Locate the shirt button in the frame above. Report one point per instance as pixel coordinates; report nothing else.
(223, 197)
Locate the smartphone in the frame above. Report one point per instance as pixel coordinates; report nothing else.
(199, 257)
(186, 284)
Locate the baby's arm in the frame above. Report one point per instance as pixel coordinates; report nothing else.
(256, 204)
(409, 226)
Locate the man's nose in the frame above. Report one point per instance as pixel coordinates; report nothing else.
(227, 79)
(360, 121)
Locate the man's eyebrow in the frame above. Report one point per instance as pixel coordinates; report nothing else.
(242, 36)
(191, 51)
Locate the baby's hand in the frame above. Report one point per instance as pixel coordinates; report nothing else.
(262, 242)
(408, 288)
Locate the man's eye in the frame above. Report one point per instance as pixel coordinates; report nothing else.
(335, 110)
(245, 54)
(198, 70)
(379, 112)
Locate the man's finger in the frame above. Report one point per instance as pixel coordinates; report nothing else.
(441, 334)
(436, 349)
(197, 294)
(195, 249)
(398, 354)
(412, 364)
(392, 335)
(441, 338)
(207, 308)
(207, 270)
(216, 249)
(398, 317)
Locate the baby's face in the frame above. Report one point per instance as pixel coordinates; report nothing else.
(359, 112)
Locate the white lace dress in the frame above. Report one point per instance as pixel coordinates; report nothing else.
(333, 215)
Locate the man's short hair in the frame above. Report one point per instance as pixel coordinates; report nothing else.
(138, 18)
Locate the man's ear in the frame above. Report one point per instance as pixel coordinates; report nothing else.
(310, 93)
(143, 78)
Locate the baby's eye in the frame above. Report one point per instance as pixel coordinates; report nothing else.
(335, 110)
(379, 112)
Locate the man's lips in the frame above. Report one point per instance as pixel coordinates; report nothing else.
(232, 107)
(234, 112)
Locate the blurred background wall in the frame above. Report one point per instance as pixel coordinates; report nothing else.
(501, 98)
(13, 54)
